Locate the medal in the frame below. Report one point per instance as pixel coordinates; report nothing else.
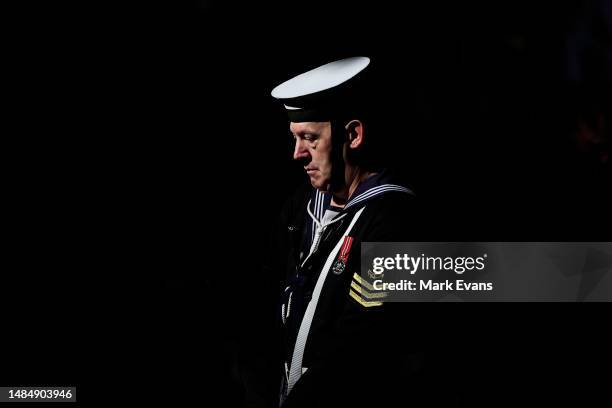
(340, 263)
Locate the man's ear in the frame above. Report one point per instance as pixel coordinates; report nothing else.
(355, 132)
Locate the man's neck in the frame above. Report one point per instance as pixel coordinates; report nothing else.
(341, 196)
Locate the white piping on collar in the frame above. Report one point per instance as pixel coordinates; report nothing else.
(374, 191)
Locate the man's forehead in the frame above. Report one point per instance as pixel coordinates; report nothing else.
(308, 126)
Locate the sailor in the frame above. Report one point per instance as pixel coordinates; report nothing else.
(328, 314)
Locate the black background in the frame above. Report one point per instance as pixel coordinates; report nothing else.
(150, 161)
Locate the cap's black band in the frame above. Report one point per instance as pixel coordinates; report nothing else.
(311, 115)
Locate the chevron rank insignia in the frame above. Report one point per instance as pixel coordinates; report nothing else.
(364, 293)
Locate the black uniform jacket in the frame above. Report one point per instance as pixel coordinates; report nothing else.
(359, 351)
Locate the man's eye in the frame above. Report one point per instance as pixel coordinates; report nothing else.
(308, 136)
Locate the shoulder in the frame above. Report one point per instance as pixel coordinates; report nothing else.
(392, 217)
(394, 200)
(392, 206)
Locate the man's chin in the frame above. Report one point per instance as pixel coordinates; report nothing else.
(319, 185)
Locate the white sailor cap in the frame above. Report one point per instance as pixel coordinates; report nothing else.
(324, 93)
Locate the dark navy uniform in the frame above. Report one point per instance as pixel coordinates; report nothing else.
(354, 338)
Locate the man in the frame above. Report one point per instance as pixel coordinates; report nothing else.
(338, 338)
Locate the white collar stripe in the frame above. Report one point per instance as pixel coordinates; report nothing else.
(314, 207)
(322, 210)
(316, 212)
(369, 193)
(376, 191)
(373, 190)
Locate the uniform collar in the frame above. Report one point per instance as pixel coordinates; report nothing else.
(379, 184)
(372, 187)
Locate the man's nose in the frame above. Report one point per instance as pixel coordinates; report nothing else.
(300, 152)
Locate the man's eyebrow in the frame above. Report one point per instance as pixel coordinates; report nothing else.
(306, 131)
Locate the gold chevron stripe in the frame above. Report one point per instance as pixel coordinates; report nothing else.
(363, 302)
(364, 293)
(363, 283)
